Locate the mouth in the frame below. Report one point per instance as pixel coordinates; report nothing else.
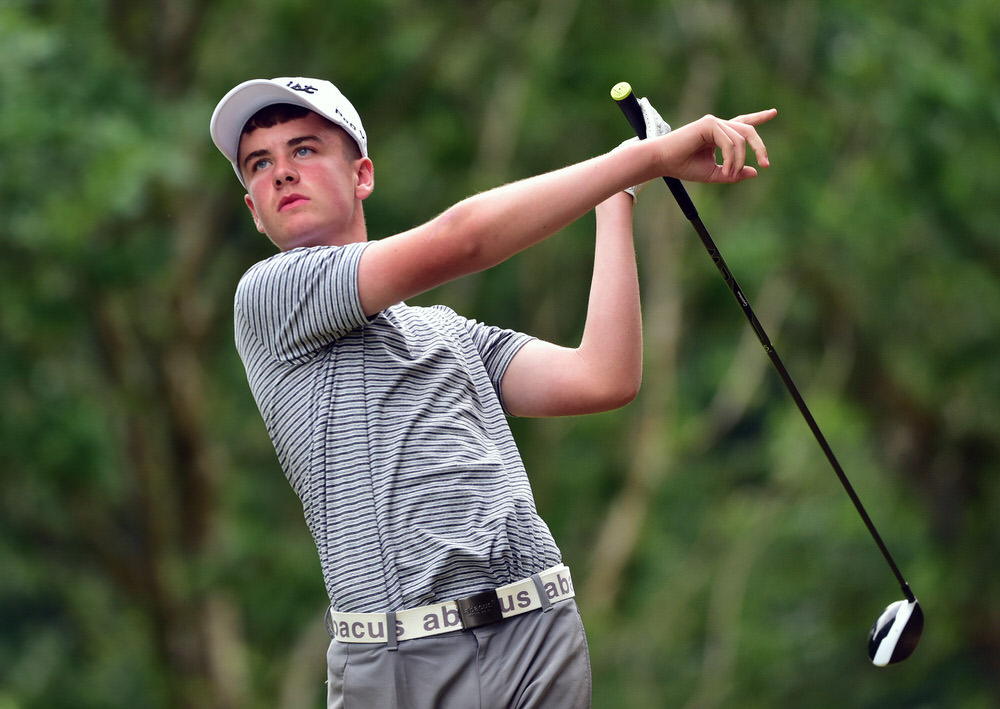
(291, 201)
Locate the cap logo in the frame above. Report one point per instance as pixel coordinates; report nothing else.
(295, 86)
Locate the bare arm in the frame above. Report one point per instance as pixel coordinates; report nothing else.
(605, 371)
(490, 227)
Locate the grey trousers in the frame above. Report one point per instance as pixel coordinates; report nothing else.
(539, 659)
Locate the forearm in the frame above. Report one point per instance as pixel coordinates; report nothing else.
(605, 370)
(508, 219)
(488, 228)
(612, 336)
(503, 221)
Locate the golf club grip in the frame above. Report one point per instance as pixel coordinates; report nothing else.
(625, 98)
(629, 104)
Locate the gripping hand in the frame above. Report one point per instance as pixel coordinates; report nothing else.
(655, 126)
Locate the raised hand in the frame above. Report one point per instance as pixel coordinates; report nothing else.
(690, 152)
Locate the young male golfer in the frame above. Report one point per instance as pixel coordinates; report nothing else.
(446, 588)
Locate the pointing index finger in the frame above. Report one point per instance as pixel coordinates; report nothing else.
(757, 117)
(753, 138)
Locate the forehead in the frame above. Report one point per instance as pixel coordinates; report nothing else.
(273, 137)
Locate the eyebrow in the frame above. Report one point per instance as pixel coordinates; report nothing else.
(290, 144)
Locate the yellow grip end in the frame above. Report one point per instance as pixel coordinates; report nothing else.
(621, 90)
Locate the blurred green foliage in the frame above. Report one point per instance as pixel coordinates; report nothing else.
(151, 552)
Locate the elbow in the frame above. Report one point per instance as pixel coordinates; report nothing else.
(622, 377)
(463, 234)
(618, 389)
(626, 391)
(612, 381)
(632, 391)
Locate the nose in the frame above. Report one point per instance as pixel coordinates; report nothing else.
(284, 174)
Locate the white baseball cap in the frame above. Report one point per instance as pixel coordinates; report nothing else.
(318, 95)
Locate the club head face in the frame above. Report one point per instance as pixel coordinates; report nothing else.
(895, 634)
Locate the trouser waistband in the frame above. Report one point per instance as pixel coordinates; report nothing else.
(537, 592)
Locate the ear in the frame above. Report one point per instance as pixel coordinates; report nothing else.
(253, 211)
(365, 176)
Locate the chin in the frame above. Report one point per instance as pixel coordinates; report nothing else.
(289, 243)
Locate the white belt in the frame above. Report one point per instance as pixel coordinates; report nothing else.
(538, 591)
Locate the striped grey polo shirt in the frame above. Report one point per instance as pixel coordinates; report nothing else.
(391, 431)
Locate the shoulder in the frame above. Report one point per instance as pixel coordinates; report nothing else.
(304, 258)
(302, 265)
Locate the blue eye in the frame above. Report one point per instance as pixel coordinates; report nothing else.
(260, 165)
(303, 151)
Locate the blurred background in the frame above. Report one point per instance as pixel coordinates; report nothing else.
(151, 551)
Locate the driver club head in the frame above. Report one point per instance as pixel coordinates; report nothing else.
(896, 633)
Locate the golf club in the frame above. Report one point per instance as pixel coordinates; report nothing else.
(895, 634)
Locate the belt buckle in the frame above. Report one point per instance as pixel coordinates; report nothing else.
(480, 609)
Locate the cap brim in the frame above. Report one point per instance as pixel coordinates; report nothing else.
(236, 108)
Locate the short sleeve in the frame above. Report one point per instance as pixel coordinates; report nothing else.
(497, 347)
(297, 302)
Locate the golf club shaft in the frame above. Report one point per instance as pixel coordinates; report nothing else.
(629, 104)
